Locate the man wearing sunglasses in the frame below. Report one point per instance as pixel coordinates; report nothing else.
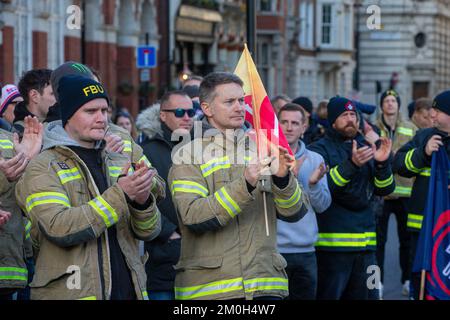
(176, 114)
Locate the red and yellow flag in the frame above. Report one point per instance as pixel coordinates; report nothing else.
(259, 110)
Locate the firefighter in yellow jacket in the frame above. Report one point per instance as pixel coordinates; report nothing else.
(87, 206)
(225, 252)
(15, 243)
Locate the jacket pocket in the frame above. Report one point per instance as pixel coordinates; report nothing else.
(278, 262)
(199, 264)
(46, 277)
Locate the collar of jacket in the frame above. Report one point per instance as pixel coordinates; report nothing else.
(338, 137)
(56, 136)
(21, 112)
(384, 126)
(301, 149)
(148, 122)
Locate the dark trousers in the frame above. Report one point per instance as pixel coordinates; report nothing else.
(414, 291)
(399, 209)
(302, 274)
(344, 275)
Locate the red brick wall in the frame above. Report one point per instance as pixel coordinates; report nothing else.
(39, 50)
(72, 49)
(109, 8)
(7, 56)
(103, 57)
(127, 72)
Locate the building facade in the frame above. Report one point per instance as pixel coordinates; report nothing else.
(322, 55)
(46, 33)
(409, 50)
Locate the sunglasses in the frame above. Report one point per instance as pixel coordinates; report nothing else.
(179, 113)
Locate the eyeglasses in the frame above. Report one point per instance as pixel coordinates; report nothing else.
(179, 112)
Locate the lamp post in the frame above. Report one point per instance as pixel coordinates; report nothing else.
(251, 27)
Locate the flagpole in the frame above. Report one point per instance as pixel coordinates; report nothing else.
(257, 126)
(422, 285)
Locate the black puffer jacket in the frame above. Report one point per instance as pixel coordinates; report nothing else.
(412, 161)
(163, 253)
(349, 223)
(20, 113)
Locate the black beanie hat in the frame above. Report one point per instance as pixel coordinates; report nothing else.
(442, 102)
(411, 108)
(74, 91)
(305, 103)
(68, 68)
(337, 106)
(390, 92)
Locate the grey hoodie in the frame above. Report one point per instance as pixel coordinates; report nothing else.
(300, 236)
(55, 135)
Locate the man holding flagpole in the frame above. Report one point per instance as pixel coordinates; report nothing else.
(225, 252)
(414, 160)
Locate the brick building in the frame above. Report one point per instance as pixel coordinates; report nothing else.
(44, 34)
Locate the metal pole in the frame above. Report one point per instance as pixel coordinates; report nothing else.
(251, 27)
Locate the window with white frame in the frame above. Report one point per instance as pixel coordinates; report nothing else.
(266, 5)
(306, 24)
(23, 38)
(347, 27)
(263, 61)
(55, 41)
(326, 23)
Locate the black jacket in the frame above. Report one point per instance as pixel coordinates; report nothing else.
(349, 223)
(20, 113)
(163, 253)
(412, 161)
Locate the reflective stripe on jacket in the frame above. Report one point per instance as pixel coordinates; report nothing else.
(225, 253)
(68, 214)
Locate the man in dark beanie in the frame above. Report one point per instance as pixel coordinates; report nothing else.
(88, 206)
(391, 124)
(347, 237)
(414, 160)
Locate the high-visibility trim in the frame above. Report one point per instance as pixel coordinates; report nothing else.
(337, 178)
(247, 159)
(146, 161)
(414, 221)
(292, 201)
(27, 230)
(88, 298)
(12, 273)
(44, 198)
(404, 191)
(103, 208)
(147, 224)
(6, 144)
(217, 287)
(384, 183)
(260, 284)
(68, 175)
(405, 131)
(127, 146)
(227, 202)
(215, 165)
(145, 295)
(408, 162)
(115, 172)
(189, 187)
(425, 172)
(347, 239)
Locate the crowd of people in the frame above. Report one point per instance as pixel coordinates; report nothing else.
(182, 204)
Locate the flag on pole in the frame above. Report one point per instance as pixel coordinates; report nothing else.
(259, 110)
(433, 248)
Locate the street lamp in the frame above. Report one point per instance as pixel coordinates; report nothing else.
(251, 27)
